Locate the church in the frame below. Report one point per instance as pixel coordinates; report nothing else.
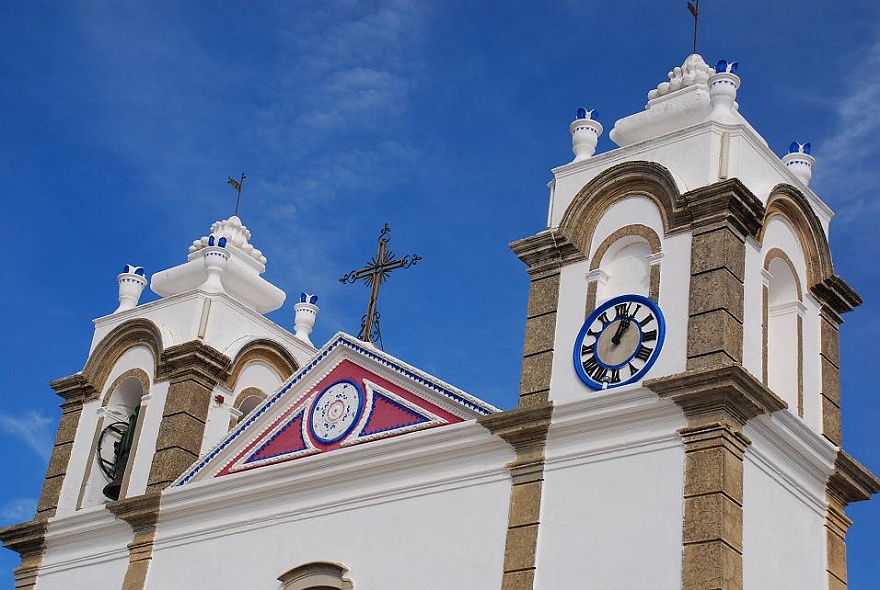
(678, 424)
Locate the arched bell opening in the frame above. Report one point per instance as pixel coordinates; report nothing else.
(115, 440)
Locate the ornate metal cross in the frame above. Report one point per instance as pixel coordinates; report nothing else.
(374, 274)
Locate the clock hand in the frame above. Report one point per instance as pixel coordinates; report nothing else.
(621, 330)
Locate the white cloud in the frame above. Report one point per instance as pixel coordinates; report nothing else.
(18, 510)
(847, 159)
(33, 429)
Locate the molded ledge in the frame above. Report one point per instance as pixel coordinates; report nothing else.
(717, 393)
(74, 388)
(26, 538)
(141, 512)
(548, 249)
(727, 201)
(194, 360)
(836, 294)
(851, 481)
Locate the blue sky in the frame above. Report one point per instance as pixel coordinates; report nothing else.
(121, 121)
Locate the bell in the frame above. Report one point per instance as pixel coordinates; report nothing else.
(112, 489)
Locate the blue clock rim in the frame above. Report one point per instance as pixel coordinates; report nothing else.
(347, 431)
(578, 343)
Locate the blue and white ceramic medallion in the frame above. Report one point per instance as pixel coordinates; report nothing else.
(336, 411)
(619, 342)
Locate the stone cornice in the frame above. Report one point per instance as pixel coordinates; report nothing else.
(194, 360)
(727, 201)
(141, 512)
(546, 250)
(522, 428)
(26, 538)
(717, 394)
(851, 481)
(74, 388)
(834, 293)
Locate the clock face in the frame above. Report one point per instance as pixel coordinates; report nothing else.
(336, 411)
(619, 342)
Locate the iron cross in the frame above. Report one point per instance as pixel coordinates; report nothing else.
(374, 274)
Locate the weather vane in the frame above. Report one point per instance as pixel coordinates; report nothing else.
(373, 274)
(694, 8)
(236, 184)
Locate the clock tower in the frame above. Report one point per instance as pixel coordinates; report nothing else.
(682, 324)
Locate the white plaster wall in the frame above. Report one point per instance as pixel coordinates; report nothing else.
(255, 374)
(152, 410)
(424, 510)
(753, 306)
(613, 522)
(453, 539)
(564, 382)
(812, 366)
(85, 551)
(675, 280)
(783, 537)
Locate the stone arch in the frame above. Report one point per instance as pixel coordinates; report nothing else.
(137, 332)
(639, 232)
(268, 351)
(317, 575)
(244, 403)
(138, 374)
(647, 179)
(788, 202)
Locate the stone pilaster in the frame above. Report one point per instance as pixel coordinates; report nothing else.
(835, 298)
(142, 513)
(76, 391)
(193, 370)
(29, 541)
(525, 429)
(545, 253)
(723, 215)
(717, 403)
(850, 482)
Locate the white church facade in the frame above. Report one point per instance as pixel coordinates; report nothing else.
(678, 424)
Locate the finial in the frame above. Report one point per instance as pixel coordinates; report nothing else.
(724, 67)
(585, 131)
(799, 161)
(305, 314)
(236, 184)
(131, 284)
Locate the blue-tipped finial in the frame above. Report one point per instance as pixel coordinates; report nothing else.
(799, 148)
(583, 113)
(308, 298)
(723, 66)
(132, 269)
(221, 242)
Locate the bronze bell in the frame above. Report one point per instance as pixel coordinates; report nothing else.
(112, 489)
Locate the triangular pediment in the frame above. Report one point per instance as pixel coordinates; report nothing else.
(349, 394)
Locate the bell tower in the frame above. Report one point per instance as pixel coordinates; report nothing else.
(163, 381)
(682, 324)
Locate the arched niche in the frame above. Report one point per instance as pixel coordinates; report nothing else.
(245, 402)
(264, 351)
(783, 329)
(627, 261)
(790, 204)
